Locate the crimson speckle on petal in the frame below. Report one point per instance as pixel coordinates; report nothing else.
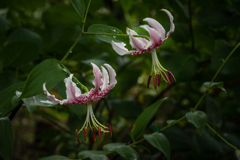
(157, 37)
(103, 84)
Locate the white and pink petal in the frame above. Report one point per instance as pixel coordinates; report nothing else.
(112, 74)
(172, 26)
(155, 37)
(156, 25)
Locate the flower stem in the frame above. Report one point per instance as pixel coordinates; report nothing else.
(71, 48)
(74, 44)
(223, 64)
(85, 16)
(196, 106)
(110, 34)
(221, 137)
(76, 80)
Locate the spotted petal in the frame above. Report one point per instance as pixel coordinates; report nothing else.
(121, 50)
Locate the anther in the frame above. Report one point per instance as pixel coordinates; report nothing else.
(105, 135)
(76, 132)
(155, 81)
(159, 79)
(149, 80)
(110, 130)
(99, 133)
(165, 75)
(171, 75)
(85, 133)
(94, 136)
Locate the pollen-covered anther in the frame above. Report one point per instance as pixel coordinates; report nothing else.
(165, 75)
(76, 132)
(85, 133)
(170, 75)
(94, 135)
(99, 133)
(149, 80)
(110, 130)
(159, 79)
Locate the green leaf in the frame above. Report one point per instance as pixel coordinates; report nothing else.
(6, 96)
(93, 155)
(66, 16)
(56, 157)
(79, 6)
(25, 35)
(6, 138)
(213, 112)
(17, 53)
(142, 121)
(159, 141)
(123, 150)
(214, 85)
(198, 118)
(38, 100)
(100, 28)
(133, 108)
(49, 72)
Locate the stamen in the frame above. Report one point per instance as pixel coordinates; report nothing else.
(110, 129)
(77, 136)
(85, 133)
(99, 133)
(165, 75)
(171, 75)
(94, 136)
(155, 81)
(149, 80)
(159, 79)
(105, 135)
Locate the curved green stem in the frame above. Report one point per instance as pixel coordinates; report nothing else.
(221, 137)
(71, 48)
(110, 34)
(85, 16)
(196, 106)
(223, 64)
(76, 80)
(74, 44)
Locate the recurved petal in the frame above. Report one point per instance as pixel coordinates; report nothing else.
(72, 90)
(155, 37)
(156, 25)
(112, 74)
(52, 97)
(136, 43)
(119, 48)
(97, 73)
(132, 32)
(105, 78)
(172, 26)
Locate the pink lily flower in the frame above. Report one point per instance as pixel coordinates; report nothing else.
(142, 45)
(105, 81)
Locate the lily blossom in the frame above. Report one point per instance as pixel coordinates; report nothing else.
(105, 81)
(157, 37)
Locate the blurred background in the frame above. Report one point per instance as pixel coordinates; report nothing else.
(205, 33)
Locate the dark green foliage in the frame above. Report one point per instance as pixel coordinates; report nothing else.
(40, 32)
